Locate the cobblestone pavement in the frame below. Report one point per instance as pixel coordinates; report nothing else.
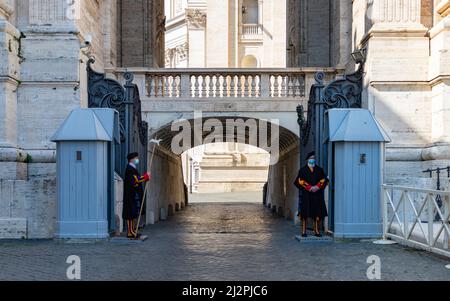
(218, 241)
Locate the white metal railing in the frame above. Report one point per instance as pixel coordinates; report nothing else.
(413, 216)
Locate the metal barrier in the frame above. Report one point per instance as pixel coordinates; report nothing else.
(409, 217)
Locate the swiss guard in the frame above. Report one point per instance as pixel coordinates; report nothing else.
(311, 181)
(133, 194)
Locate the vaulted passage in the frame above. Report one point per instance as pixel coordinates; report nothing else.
(168, 192)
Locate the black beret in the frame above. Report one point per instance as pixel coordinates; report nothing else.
(309, 155)
(132, 156)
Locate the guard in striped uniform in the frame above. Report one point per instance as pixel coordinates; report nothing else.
(312, 181)
(132, 194)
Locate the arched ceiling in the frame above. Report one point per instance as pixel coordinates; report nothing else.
(286, 138)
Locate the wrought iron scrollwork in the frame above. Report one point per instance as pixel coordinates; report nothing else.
(106, 93)
(109, 93)
(345, 92)
(306, 123)
(341, 93)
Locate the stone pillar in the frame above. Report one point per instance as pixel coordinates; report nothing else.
(439, 74)
(218, 30)
(9, 82)
(341, 34)
(308, 20)
(396, 15)
(260, 12)
(196, 26)
(50, 71)
(397, 79)
(141, 27)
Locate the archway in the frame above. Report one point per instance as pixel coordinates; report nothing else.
(169, 190)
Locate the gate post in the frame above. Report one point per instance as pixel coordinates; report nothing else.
(129, 97)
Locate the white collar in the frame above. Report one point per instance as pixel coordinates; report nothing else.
(132, 165)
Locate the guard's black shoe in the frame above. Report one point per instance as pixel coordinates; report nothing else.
(318, 235)
(304, 235)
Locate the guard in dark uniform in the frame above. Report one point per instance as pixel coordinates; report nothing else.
(311, 181)
(133, 193)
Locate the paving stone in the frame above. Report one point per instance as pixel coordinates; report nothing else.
(219, 241)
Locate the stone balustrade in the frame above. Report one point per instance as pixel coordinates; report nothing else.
(226, 83)
(249, 31)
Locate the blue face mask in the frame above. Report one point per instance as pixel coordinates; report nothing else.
(136, 162)
(312, 162)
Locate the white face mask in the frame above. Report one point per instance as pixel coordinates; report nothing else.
(136, 162)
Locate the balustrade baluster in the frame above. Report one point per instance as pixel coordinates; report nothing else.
(239, 86)
(297, 87)
(150, 85)
(246, 92)
(232, 87)
(204, 78)
(185, 86)
(160, 86)
(291, 88)
(217, 88)
(166, 91)
(283, 91)
(178, 86)
(253, 92)
(276, 89)
(211, 86)
(225, 86)
(197, 92)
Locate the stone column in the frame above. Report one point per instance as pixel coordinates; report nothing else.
(141, 27)
(196, 26)
(396, 14)
(260, 12)
(439, 74)
(50, 71)
(9, 82)
(396, 80)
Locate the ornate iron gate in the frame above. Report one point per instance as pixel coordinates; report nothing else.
(109, 93)
(341, 93)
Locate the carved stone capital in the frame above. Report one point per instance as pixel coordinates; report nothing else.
(196, 18)
(395, 13)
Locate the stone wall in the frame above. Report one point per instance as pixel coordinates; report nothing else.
(166, 188)
(27, 208)
(319, 33)
(282, 195)
(406, 80)
(118, 184)
(141, 29)
(46, 80)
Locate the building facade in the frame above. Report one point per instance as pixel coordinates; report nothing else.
(250, 44)
(252, 33)
(43, 57)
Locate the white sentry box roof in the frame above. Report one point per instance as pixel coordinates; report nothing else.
(354, 125)
(88, 125)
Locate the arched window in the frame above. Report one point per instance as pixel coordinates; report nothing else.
(249, 61)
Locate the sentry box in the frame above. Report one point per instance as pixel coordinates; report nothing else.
(85, 173)
(355, 144)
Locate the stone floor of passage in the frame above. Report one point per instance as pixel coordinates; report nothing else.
(218, 240)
